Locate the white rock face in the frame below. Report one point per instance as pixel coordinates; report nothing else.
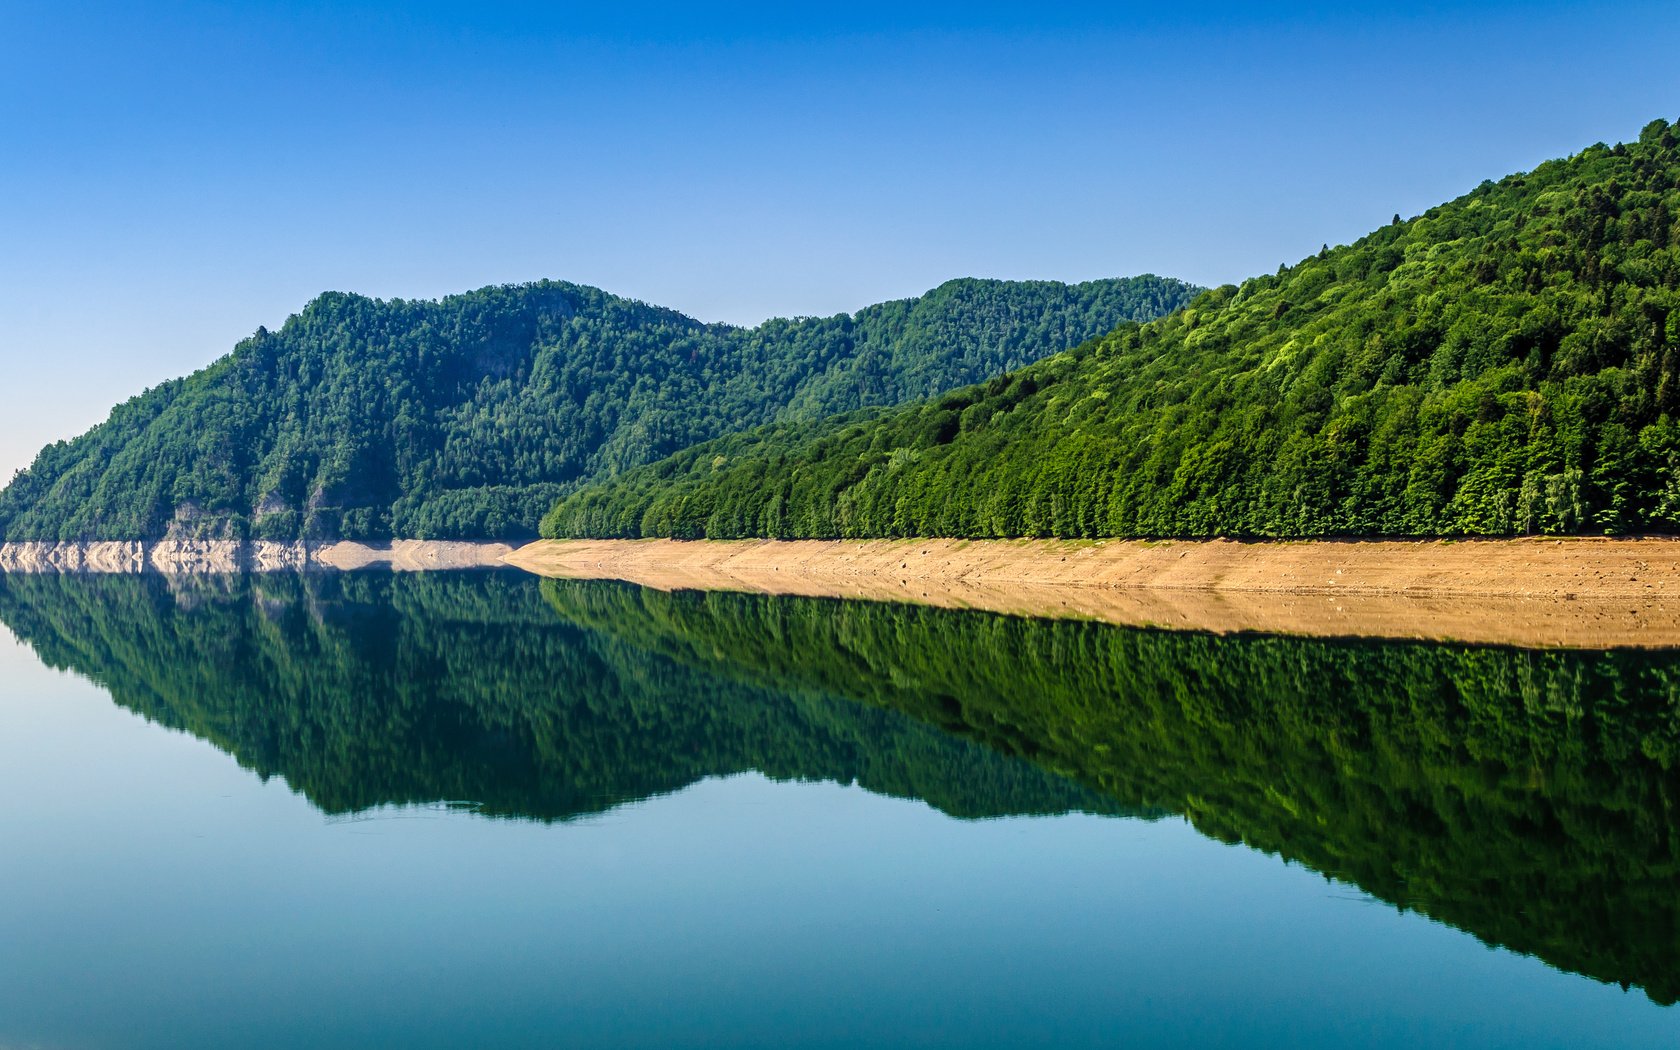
(72, 557)
(187, 556)
(410, 555)
(269, 556)
(197, 556)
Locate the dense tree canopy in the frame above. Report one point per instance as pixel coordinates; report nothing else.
(1505, 363)
(469, 416)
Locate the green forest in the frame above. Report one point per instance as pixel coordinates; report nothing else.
(1507, 363)
(469, 416)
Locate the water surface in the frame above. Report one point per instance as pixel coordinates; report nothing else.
(376, 810)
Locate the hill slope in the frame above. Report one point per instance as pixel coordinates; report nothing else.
(469, 416)
(1505, 363)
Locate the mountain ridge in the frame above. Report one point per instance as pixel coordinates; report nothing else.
(467, 416)
(1505, 363)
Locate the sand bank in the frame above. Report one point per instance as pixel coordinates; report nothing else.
(1585, 593)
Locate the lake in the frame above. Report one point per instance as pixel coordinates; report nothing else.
(482, 809)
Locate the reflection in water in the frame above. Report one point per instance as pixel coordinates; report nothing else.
(372, 689)
(1526, 797)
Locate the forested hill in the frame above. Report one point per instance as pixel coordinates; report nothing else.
(1505, 363)
(470, 416)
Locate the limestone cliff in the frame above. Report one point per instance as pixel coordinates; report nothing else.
(181, 556)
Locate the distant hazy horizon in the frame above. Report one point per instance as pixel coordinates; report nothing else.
(176, 179)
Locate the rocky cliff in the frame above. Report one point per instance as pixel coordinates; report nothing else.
(212, 556)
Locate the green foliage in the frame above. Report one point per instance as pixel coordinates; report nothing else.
(1506, 363)
(1530, 798)
(374, 689)
(471, 416)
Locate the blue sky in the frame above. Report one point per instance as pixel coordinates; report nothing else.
(172, 177)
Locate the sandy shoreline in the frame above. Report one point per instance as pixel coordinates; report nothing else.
(1578, 592)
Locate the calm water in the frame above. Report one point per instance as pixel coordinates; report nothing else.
(457, 810)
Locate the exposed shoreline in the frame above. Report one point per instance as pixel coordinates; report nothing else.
(221, 556)
(1533, 592)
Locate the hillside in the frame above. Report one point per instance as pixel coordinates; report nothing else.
(469, 416)
(1506, 363)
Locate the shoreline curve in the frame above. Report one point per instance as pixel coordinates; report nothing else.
(1533, 592)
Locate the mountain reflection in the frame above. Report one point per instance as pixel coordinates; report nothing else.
(370, 689)
(1526, 797)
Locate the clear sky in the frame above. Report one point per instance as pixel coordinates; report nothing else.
(173, 175)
